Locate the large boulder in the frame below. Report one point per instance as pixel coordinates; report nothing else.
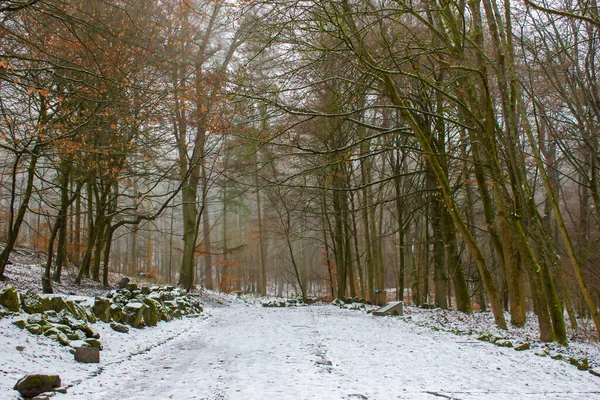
(10, 299)
(116, 312)
(151, 313)
(32, 302)
(33, 384)
(134, 314)
(102, 308)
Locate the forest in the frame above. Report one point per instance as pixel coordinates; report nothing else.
(443, 153)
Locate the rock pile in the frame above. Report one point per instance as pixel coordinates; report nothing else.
(68, 321)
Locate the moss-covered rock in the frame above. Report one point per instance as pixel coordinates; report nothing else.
(38, 319)
(151, 313)
(132, 287)
(523, 346)
(51, 332)
(94, 343)
(134, 314)
(20, 323)
(34, 384)
(57, 303)
(62, 338)
(102, 308)
(116, 312)
(120, 299)
(9, 298)
(91, 318)
(503, 343)
(32, 303)
(582, 364)
(165, 314)
(119, 327)
(77, 335)
(66, 329)
(75, 310)
(34, 329)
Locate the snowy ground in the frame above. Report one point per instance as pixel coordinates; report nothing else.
(245, 351)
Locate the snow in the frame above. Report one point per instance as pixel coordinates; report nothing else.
(239, 350)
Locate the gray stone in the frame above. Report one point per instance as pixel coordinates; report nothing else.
(9, 298)
(119, 327)
(395, 308)
(102, 308)
(31, 302)
(87, 355)
(145, 290)
(34, 384)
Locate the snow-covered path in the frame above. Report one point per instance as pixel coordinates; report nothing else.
(321, 352)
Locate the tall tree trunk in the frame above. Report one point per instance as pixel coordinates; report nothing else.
(14, 222)
(262, 287)
(65, 203)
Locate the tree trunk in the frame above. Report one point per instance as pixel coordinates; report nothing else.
(14, 223)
